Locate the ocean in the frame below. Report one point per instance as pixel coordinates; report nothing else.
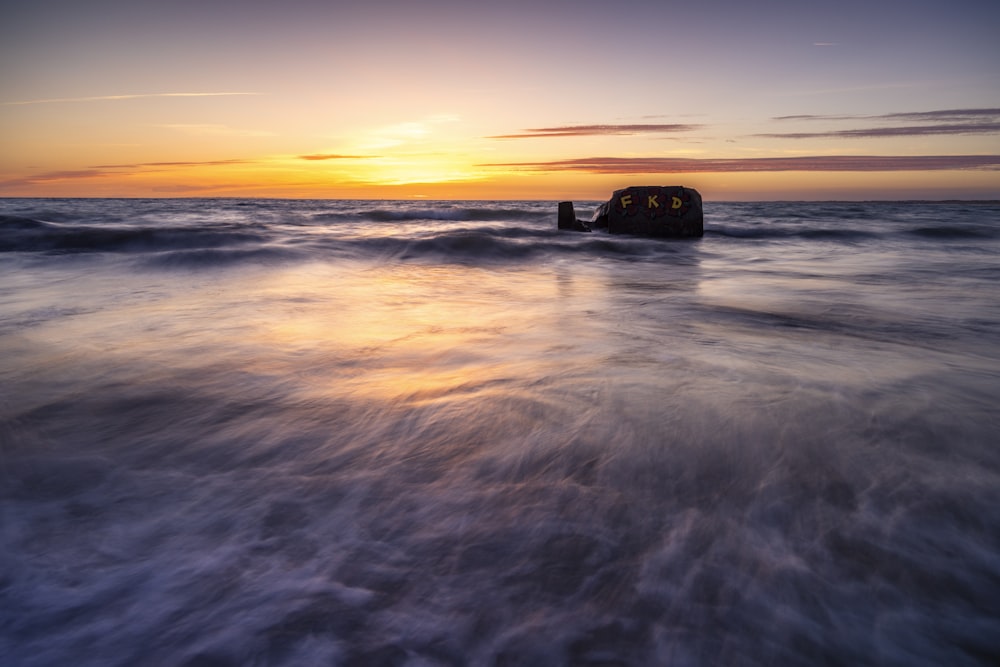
(416, 434)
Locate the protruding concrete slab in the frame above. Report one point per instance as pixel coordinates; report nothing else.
(567, 218)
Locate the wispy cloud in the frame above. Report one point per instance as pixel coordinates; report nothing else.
(114, 170)
(941, 122)
(883, 132)
(197, 163)
(335, 156)
(945, 115)
(665, 165)
(104, 98)
(949, 115)
(65, 175)
(592, 130)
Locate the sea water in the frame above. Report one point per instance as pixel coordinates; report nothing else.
(260, 432)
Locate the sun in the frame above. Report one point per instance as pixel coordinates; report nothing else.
(408, 170)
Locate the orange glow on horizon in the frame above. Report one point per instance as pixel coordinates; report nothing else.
(444, 179)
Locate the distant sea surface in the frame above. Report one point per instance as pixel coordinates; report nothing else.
(416, 434)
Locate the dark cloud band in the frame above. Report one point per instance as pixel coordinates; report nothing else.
(654, 165)
(592, 130)
(884, 132)
(941, 122)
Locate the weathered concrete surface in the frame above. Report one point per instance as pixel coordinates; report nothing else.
(653, 210)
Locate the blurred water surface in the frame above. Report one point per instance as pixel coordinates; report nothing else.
(258, 432)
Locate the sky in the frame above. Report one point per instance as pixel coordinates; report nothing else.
(539, 99)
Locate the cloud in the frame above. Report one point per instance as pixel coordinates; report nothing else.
(103, 98)
(939, 115)
(806, 116)
(335, 156)
(947, 115)
(109, 170)
(594, 130)
(66, 175)
(146, 165)
(941, 122)
(665, 165)
(883, 132)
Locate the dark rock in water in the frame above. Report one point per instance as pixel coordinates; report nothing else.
(652, 210)
(567, 218)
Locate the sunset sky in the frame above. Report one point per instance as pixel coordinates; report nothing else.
(520, 99)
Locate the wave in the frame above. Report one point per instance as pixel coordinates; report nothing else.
(21, 234)
(14, 222)
(957, 232)
(191, 246)
(207, 258)
(511, 245)
(849, 234)
(785, 232)
(435, 213)
(459, 214)
(200, 233)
